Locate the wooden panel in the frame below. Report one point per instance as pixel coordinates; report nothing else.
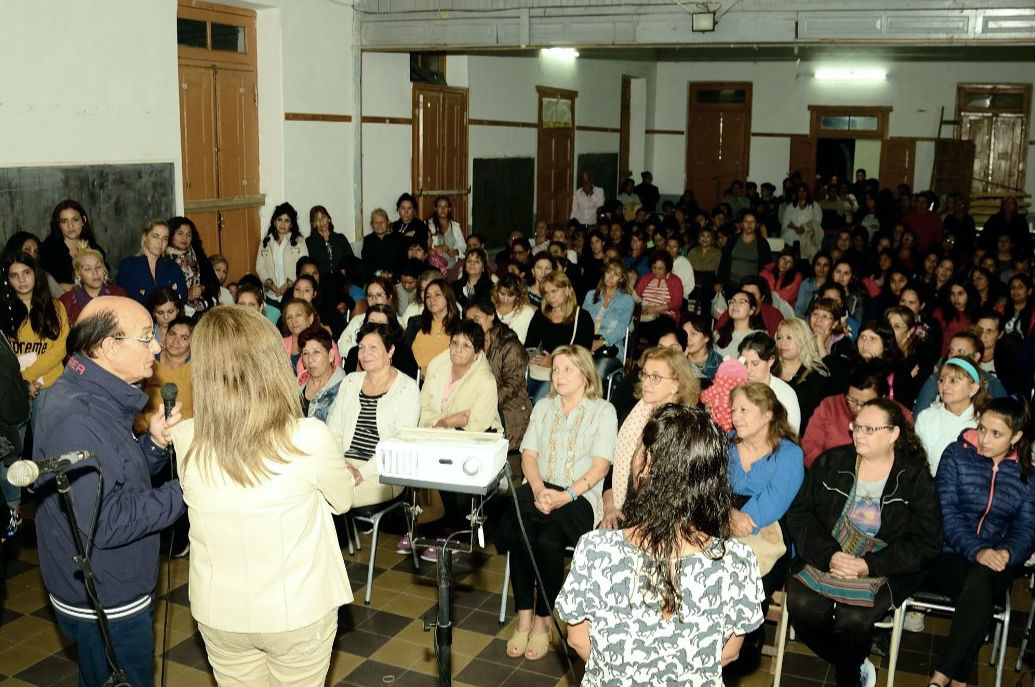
(702, 154)
(735, 144)
(978, 128)
(208, 228)
(454, 151)
(897, 159)
(624, 117)
(803, 157)
(237, 128)
(953, 170)
(240, 239)
(1007, 153)
(197, 132)
(718, 141)
(440, 133)
(555, 163)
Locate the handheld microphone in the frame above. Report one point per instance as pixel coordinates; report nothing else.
(169, 392)
(22, 473)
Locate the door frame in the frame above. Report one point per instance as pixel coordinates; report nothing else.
(560, 93)
(460, 197)
(692, 106)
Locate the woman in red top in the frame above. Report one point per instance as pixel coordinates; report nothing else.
(784, 277)
(958, 310)
(91, 280)
(662, 295)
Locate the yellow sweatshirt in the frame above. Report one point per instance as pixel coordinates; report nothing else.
(50, 353)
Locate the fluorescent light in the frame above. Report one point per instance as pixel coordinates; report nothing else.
(851, 75)
(568, 54)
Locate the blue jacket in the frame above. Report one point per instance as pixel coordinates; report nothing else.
(616, 320)
(135, 277)
(772, 482)
(985, 506)
(89, 408)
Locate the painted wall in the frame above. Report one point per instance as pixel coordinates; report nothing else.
(782, 92)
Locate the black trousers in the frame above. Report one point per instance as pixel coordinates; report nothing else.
(840, 634)
(974, 589)
(548, 535)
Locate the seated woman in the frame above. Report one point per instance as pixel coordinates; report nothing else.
(460, 389)
(661, 295)
(141, 274)
(186, 251)
(834, 345)
(766, 470)
(700, 353)
(249, 295)
(91, 280)
(69, 225)
(379, 291)
(429, 334)
(261, 484)
(611, 306)
(961, 396)
(665, 377)
(914, 362)
(508, 361)
(958, 311)
(476, 278)
(988, 513)
(558, 322)
(801, 367)
(415, 307)
(866, 526)
(23, 241)
(299, 315)
(692, 592)
(565, 455)
(372, 405)
(784, 277)
(744, 319)
(758, 353)
(324, 378)
(172, 364)
(165, 306)
(403, 358)
(510, 296)
(542, 265)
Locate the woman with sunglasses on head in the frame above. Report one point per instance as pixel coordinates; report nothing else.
(866, 526)
(988, 511)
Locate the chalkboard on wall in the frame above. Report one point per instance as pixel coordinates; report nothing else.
(604, 168)
(503, 197)
(119, 200)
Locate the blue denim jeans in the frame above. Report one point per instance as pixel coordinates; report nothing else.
(134, 642)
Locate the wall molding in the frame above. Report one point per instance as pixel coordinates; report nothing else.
(599, 129)
(370, 119)
(673, 132)
(314, 117)
(501, 122)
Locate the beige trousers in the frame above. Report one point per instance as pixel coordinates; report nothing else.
(299, 657)
(370, 491)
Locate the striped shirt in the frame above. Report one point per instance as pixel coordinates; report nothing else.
(365, 438)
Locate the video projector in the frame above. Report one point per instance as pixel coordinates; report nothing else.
(443, 459)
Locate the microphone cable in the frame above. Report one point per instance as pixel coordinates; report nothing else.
(168, 573)
(535, 569)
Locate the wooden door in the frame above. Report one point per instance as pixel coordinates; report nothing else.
(624, 124)
(995, 118)
(555, 155)
(897, 159)
(220, 131)
(440, 149)
(718, 140)
(803, 158)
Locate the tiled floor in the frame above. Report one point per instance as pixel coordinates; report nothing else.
(384, 643)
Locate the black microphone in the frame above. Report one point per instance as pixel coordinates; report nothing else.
(22, 473)
(169, 392)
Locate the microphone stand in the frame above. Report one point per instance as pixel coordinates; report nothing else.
(118, 677)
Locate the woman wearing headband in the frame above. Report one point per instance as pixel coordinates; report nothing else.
(961, 396)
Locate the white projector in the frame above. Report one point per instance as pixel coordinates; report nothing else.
(445, 459)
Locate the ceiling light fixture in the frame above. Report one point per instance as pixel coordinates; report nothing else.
(851, 75)
(568, 54)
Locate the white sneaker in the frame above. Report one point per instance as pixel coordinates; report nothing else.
(914, 622)
(867, 674)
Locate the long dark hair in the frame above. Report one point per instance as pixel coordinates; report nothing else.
(1017, 415)
(681, 494)
(1025, 316)
(452, 309)
(55, 222)
(43, 315)
(907, 446)
(724, 334)
(971, 310)
(271, 232)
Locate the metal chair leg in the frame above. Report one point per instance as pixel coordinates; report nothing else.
(781, 642)
(896, 640)
(503, 592)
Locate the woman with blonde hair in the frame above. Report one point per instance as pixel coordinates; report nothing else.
(801, 366)
(962, 395)
(558, 322)
(261, 483)
(611, 306)
(564, 457)
(510, 296)
(91, 280)
(148, 270)
(665, 377)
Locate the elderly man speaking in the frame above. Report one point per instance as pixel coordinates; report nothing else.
(112, 348)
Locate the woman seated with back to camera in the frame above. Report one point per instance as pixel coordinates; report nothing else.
(261, 483)
(565, 455)
(988, 512)
(766, 470)
(508, 361)
(668, 600)
(665, 377)
(403, 358)
(866, 526)
(372, 405)
(559, 322)
(611, 306)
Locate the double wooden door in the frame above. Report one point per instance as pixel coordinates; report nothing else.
(440, 132)
(718, 138)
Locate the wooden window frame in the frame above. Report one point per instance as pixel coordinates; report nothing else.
(817, 112)
(207, 12)
(697, 86)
